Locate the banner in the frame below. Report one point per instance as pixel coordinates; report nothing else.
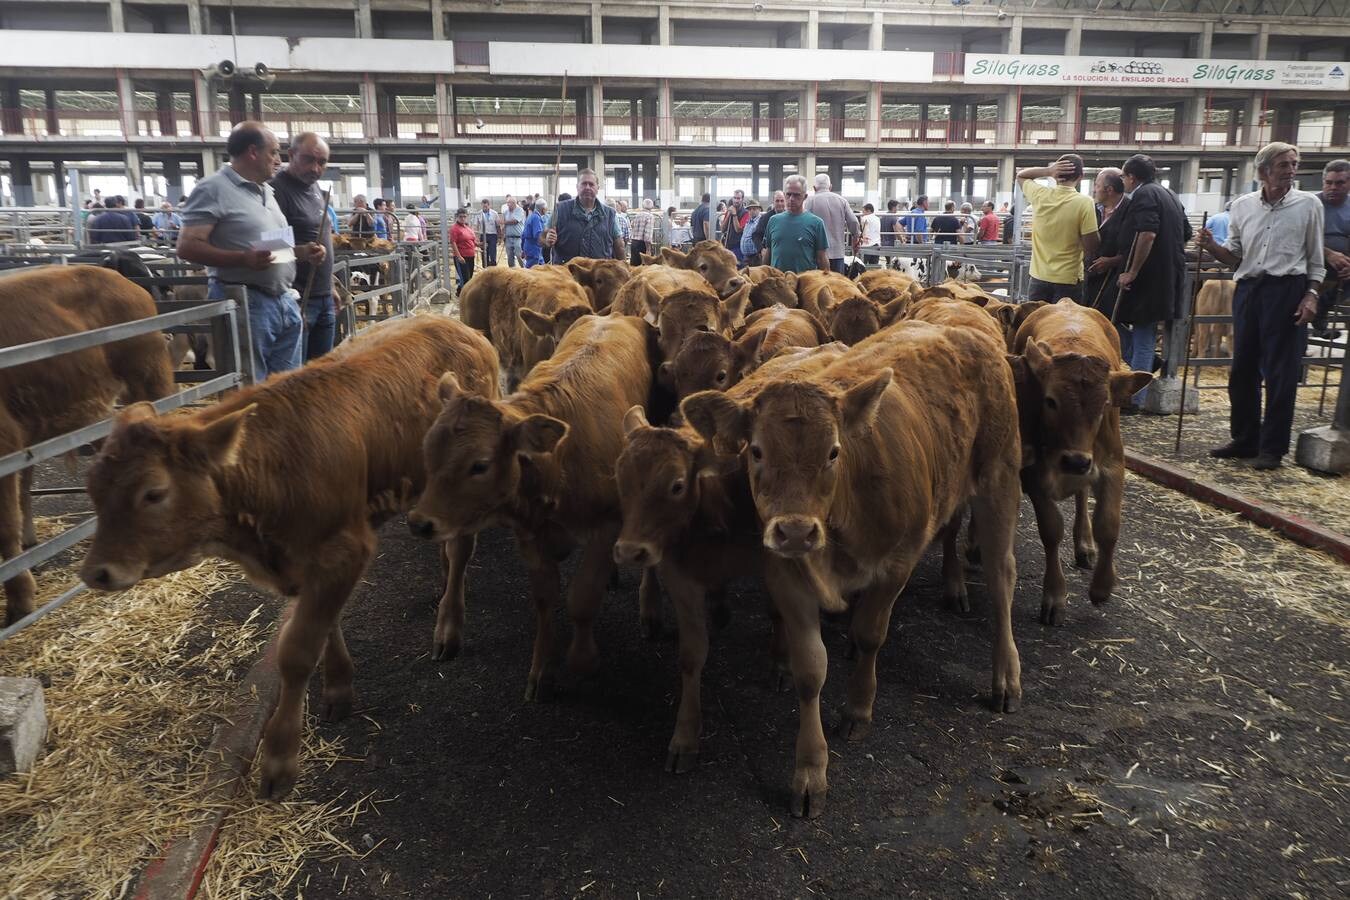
(1124, 71)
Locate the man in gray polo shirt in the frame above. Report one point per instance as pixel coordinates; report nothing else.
(226, 213)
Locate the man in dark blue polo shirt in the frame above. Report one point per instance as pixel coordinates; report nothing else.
(297, 191)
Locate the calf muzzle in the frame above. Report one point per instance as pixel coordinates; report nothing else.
(636, 553)
(793, 535)
(1075, 463)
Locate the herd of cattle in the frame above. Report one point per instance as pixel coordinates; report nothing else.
(697, 421)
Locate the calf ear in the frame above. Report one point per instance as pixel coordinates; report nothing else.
(580, 269)
(1124, 385)
(635, 418)
(745, 352)
(674, 258)
(538, 324)
(216, 444)
(822, 336)
(893, 311)
(1006, 316)
(1026, 309)
(449, 390)
(732, 309)
(1039, 357)
(713, 414)
(858, 405)
(648, 259)
(136, 412)
(539, 433)
(653, 300)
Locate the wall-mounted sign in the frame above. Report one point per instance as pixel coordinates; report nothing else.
(1120, 71)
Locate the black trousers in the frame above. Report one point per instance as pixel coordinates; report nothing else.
(1266, 344)
(636, 249)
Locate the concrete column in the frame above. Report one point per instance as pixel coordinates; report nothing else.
(203, 106)
(168, 125)
(872, 181)
(811, 40)
(806, 133)
(53, 116)
(597, 93)
(1012, 38)
(1254, 133)
(1073, 38)
(445, 108)
(374, 186)
(1191, 129)
(364, 26)
(59, 178)
(173, 180)
(665, 176)
(597, 162)
(126, 103)
(597, 35)
(775, 182)
(873, 114)
(392, 185)
(135, 174)
(876, 36)
(1340, 126)
(1204, 41)
(369, 108)
(21, 181)
(665, 110)
(806, 167)
(116, 16)
(196, 20)
(211, 161)
(1188, 180)
(437, 25)
(1261, 42)
(1007, 171)
(663, 25)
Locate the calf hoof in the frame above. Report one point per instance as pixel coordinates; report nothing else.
(651, 629)
(679, 762)
(720, 614)
(1085, 559)
(853, 728)
(1052, 613)
(807, 800)
(958, 603)
(1007, 701)
(336, 707)
(584, 659)
(278, 778)
(444, 650)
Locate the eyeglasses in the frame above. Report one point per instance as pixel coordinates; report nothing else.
(793, 194)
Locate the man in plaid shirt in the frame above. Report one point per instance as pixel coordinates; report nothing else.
(643, 230)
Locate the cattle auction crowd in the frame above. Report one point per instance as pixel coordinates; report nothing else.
(683, 413)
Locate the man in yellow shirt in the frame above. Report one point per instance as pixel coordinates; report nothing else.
(1065, 225)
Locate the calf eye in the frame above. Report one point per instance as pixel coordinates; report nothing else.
(154, 495)
(479, 467)
(721, 377)
(757, 453)
(677, 488)
(1050, 403)
(834, 453)
(704, 327)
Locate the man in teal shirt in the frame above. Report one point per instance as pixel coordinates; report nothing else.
(795, 241)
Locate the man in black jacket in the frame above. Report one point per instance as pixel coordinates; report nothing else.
(779, 205)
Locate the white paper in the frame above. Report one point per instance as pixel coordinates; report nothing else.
(276, 239)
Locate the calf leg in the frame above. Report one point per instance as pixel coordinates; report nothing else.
(953, 573)
(649, 605)
(338, 696)
(543, 597)
(585, 594)
(800, 609)
(455, 554)
(781, 675)
(312, 625)
(26, 507)
(687, 596)
(996, 507)
(1106, 522)
(1051, 526)
(871, 619)
(19, 590)
(1084, 549)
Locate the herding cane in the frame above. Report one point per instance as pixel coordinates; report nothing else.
(324, 223)
(1190, 328)
(557, 160)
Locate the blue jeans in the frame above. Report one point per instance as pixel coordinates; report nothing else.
(321, 323)
(274, 327)
(513, 256)
(1136, 349)
(837, 265)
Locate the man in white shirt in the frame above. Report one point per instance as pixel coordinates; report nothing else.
(834, 211)
(871, 235)
(1275, 245)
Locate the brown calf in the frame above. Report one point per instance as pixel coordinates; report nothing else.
(756, 274)
(687, 511)
(504, 294)
(642, 294)
(715, 263)
(601, 278)
(1070, 383)
(853, 473)
(289, 479)
(709, 361)
(855, 319)
(1215, 299)
(42, 400)
(542, 462)
(775, 290)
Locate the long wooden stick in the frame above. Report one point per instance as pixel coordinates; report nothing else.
(1190, 329)
(324, 224)
(557, 160)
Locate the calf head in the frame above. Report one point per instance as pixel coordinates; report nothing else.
(795, 433)
(485, 462)
(775, 289)
(659, 476)
(710, 259)
(706, 361)
(682, 313)
(1067, 395)
(601, 278)
(156, 487)
(853, 320)
(553, 326)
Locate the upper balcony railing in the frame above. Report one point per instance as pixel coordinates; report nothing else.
(65, 125)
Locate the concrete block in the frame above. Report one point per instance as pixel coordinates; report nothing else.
(1324, 449)
(1164, 397)
(23, 724)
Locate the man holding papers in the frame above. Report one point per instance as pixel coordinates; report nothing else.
(233, 225)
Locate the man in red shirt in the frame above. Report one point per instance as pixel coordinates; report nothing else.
(989, 225)
(464, 244)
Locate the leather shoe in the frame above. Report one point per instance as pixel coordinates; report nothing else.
(1231, 451)
(1267, 461)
